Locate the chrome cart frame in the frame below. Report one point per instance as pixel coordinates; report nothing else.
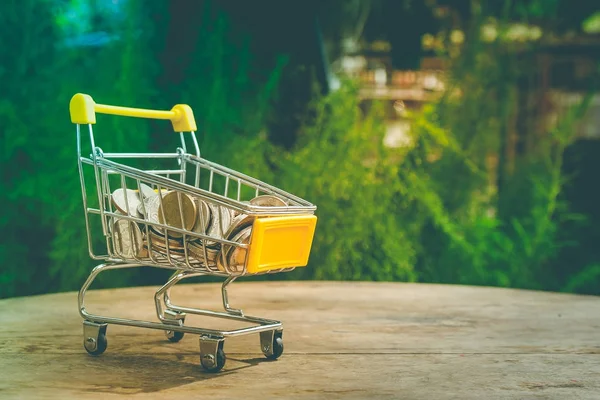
(138, 236)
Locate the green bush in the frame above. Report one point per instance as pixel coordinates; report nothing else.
(45, 246)
(340, 164)
(489, 223)
(435, 211)
(28, 94)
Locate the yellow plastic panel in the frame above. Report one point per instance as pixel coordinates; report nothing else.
(281, 242)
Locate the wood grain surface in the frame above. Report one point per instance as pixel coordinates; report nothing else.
(342, 340)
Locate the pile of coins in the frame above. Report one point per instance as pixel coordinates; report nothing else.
(181, 211)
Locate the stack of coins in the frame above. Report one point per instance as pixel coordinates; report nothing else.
(191, 217)
(233, 258)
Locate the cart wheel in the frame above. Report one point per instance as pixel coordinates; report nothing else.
(174, 336)
(271, 343)
(94, 337)
(178, 319)
(277, 348)
(221, 358)
(101, 344)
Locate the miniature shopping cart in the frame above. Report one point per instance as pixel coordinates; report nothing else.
(181, 212)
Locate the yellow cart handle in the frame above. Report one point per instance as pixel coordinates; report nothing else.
(83, 111)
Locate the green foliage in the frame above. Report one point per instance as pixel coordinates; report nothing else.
(489, 220)
(587, 281)
(591, 24)
(27, 31)
(340, 164)
(45, 247)
(69, 258)
(448, 208)
(230, 99)
(229, 104)
(452, 207)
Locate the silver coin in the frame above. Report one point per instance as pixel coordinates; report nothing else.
(115, 219)
(141, 210)
(268, 200)
(126, 199)
(220, 224)
(204, 217)
(236, 213)
(127, 238)
(151, 196)
(149, 209)
(146, 191)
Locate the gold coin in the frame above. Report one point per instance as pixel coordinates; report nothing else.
(177, 210)
(159, 240)
(197, 252)
(234, 257)
(124, 199)
(239, 223)
(268, 201)
(238, 254)
(154, 254)
(144, 253)
(127, 238)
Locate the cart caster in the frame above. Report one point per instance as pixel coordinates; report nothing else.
(277, 349)
(94, 338)
(174, 336)
(212, 356)
(177, 319)
(210, 366)
(271, 343)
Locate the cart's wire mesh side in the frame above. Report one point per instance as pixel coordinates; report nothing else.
(139, 231)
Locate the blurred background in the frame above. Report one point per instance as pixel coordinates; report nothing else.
(453, 141)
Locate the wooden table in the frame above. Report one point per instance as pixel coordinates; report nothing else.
(342, 340)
